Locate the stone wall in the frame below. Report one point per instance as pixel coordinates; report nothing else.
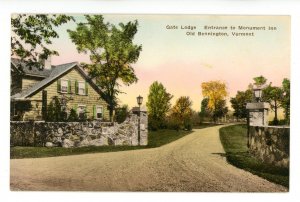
(79, 134)
(270, 144)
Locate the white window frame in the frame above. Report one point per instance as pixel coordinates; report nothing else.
(61, 85)
(78, 107)
(99, 106)
(82, 83)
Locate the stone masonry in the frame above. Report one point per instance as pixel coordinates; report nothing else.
(271, 144)
(79, 134)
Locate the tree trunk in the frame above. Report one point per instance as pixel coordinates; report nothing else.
(275, 110)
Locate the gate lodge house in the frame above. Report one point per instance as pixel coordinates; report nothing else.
(32, 87)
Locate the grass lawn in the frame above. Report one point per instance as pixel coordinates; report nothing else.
(234, 140)
(156, 139)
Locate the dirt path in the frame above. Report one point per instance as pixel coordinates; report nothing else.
(192, 163)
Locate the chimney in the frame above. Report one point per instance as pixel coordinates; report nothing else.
(47, 63)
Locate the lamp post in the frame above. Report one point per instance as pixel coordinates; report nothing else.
(257, 93)
(139, 100)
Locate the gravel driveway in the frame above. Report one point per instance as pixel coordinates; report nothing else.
(192, 163)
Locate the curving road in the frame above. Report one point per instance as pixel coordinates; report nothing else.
(192, 163)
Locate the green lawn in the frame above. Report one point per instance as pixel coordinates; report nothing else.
(156, 139)
(234, 140)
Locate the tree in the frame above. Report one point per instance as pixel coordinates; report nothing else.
(286, 99)
(273, 95)
(158, 105)
(31, 34)
(216, 93)
(182, 111)
(238, 103)
(205, 111)
(112, 53)
(221, 110)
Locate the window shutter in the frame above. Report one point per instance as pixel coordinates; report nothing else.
(94, 112)
(58, 85)
(69, 86)
(76, 87)
(86, 88)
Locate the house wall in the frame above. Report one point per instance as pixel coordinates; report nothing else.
(93, 98)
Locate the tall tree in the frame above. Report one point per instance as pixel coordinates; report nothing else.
(216, 93)
(286, 99)
(273, 95)
(205, 111)
(112, 53)
(32, 34)
(158, 104)
(182, 111)
(239, 102)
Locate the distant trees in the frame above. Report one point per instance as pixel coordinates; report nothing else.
(273, 95)
(215, 92)
(239, 102)
(182, 112)
(277, 96)
(285, 102)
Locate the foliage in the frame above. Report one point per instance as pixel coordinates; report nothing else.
(54, 111)
(31, 34)
(73, 116)
(182, 112)
(112, 53)
(21, 108)
(273, 95)
(158, 105)
(205, 111)
(234, 141)
(285, 102)
(121, 113)
(260, 80)
(216, 93)
(239, 102)
(221, 110)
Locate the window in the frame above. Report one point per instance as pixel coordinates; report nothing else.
(99, 112)
(64, 86)
(81, 111)
(81, 88)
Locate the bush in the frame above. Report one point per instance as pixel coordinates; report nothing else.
(173, 123)
(121, 114)
(73, 116)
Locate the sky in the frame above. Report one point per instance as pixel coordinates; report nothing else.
(181, 62)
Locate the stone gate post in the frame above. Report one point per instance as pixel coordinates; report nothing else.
(142, 124)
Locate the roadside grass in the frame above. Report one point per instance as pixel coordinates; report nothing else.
(234, 141)
(155, 139)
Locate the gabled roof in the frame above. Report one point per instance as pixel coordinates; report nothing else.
(17, 64)
(55, 73)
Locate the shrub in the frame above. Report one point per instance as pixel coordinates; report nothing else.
(73, 115)
(121, 113)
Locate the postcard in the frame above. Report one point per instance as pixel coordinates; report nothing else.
(150, 103)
